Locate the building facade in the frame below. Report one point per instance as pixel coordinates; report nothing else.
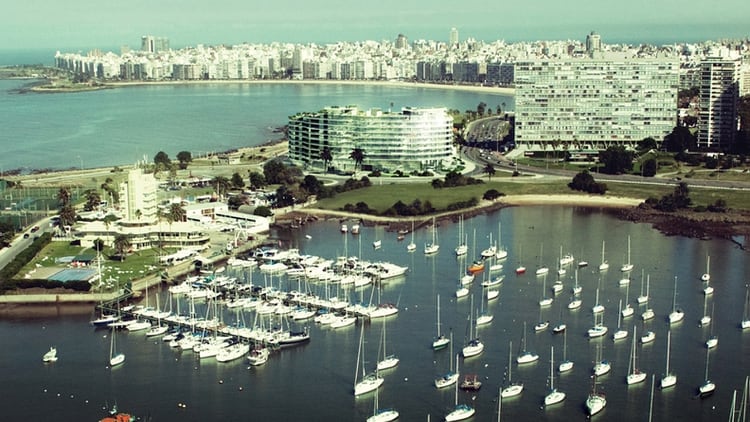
(719, 96)
(138, 196)
(412, 139)
(594, 103)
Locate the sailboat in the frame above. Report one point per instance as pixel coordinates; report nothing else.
(484, 317)
(369, 381)
(669, 379)
(541, 270)
(628, 311)
(705, 319)
(595, 402)
(598, 307)
(114, 357)
(542, 324)
(620, 333)
(545, 301)
(475, 346)
(745, 323)
(460, 411)
(490, 251)
(432, 247)
(707, 275)
(713, 340)
(462, 248)
(643, 298)
(628, 266)
(513, 388)
(555, 396)
(441, 341)
(50, 356)
(520, 269)
(599, 329)
(502, 253)
(676, 315)
(382, 415)
(450, 377)
(526, 356)
(411, 247)
(708, 387)
(566, 365)
(388, 361)
(602, 366)
(604, 265)
(634, 374)
(577, 289)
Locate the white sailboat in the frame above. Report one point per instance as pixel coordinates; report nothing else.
(520, 269)
(411, 247)
(620, 333)
(475, 346)
(707, 279)
(598, 307)
(450, 377)
(604, 265)
(669, 379)
(634, 374)
(369, 382)
(628, 266)
(460, 411)
(708, 386)
(707, 275)
(389, 360)
(555, 396)
(462, 248)
(502, 252)
(491, 249)
(575, 301)
(713, 340)
(602, 366)
(628, 311)
(526, 356)
(541, 270)
(433, 247)
(566, 364)
(115, 358)
(544, 300)
(484, 317)
(382, 415)
(50, 356)
(440, 341)
(595, 402)
(745, 323)
(513, 388)
(643, 298)
(705, 319)
(676, 315)
(599, 329)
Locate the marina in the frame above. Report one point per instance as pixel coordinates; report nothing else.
(177, 384)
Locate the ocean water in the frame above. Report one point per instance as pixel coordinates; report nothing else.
(123, 125)
(314, 382)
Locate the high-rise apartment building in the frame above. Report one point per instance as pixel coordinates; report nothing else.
(412, 139)
(593, 44)
(152, 44)
(719, 95)
(138, 194)
(594, 103)
(453, 37)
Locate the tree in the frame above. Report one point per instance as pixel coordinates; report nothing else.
(481, 107)
(492, 194)
(616, 160)
(263, 211)
(681, 139)
(63, 196)
(489, 170)
(220, 184)
(358, 155)
(67, 215)
(648, 168)
(161, 158)
(122, 245)
(184, 157)
(311, 184)
(327, 157)
(284, 197)
(647, 144)
(257, 180)
(92, 200)
(585, 182)
(237, 181)
(6, 233)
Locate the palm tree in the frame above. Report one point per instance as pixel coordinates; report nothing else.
(221, 184)
(63, 196)
(326, 156)
(358, 155)
(176, 213)
(122, 245)
(489, 169)
(67, 215)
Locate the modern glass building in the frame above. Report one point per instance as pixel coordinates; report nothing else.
(719, 97)
(412, 139)
(594, 103)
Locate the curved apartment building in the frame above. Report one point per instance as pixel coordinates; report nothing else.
(412, 139)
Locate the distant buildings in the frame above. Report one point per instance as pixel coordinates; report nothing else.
(412, 139)
(152, 44)
(594, 103)
(719, 95)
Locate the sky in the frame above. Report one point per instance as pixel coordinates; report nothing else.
(84, 24)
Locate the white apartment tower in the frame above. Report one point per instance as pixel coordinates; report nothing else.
(593, 44)
(719, 95)
(587, 103)
(412, 139)
(453, 37)
(138, 194)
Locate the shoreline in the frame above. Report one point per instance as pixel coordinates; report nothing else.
(493, 90)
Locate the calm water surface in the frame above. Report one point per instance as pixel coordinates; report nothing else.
(315, 381)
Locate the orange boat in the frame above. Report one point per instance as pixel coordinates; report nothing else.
(476, 267)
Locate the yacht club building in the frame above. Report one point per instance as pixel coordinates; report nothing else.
(595, 102)
(411, 139)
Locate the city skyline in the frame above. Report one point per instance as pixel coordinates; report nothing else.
(75, 24)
